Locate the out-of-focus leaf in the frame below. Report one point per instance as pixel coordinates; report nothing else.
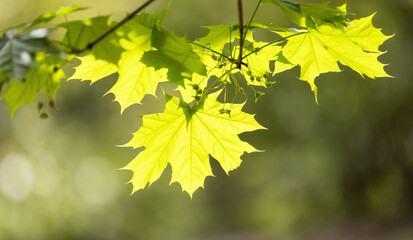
(45, 77)
(17, 51)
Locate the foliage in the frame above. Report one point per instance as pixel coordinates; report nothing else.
(194, 125)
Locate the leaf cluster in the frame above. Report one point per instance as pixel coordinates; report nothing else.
(194, 125)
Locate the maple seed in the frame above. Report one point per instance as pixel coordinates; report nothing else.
(269, 84)
(40, 106)
(52, 105)
(258, 95)
(44, 115)
(195, 87)
(223, 110)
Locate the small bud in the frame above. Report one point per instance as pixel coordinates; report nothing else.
(249, 73)
(195, 86)
(266, 75)
(199, 91)
(197, 98)
(221, 111)
(252, 78)
(241, 90)
(55, 69)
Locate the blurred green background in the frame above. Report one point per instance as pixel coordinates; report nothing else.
(342, 169)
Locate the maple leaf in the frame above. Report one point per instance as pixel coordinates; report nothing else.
(17, 51)
(81, 33)
(185, 137)
(306, 14)
(45, 77)
(175, 54)
(92, 69)
(133, 85)
(135, 78)
(319, 50)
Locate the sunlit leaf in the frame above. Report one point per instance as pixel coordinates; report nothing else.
(185, 137)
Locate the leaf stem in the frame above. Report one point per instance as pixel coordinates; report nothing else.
(252, 18)
(107, 33)
(212, 50)
(270, 43)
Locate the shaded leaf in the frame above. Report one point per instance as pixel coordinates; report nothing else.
(17, 51)
(175, 54)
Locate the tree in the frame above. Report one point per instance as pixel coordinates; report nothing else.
(194, 125)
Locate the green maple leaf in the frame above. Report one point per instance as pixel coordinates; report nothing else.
(185, 137)
(81, 33)
(307, 14)
(17, 51)
(135, 78)
(175, 54)
(319, 50)
(45, 77)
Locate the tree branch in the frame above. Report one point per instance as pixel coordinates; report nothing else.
(107, 33)
(241, 33)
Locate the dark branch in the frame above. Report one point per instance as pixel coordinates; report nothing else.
(107, 33)
(241, 33)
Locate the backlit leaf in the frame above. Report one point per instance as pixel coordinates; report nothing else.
(185, 137)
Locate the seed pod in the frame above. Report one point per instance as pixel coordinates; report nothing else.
(258, 94)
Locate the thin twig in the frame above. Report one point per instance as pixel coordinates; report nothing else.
(212, 50)
(107, 33)
(270, 43)
(252, 18)
(241, 33)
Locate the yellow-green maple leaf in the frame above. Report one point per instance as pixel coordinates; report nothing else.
(185, 137)
(319, 50)
(92, 69)
(135, 80)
